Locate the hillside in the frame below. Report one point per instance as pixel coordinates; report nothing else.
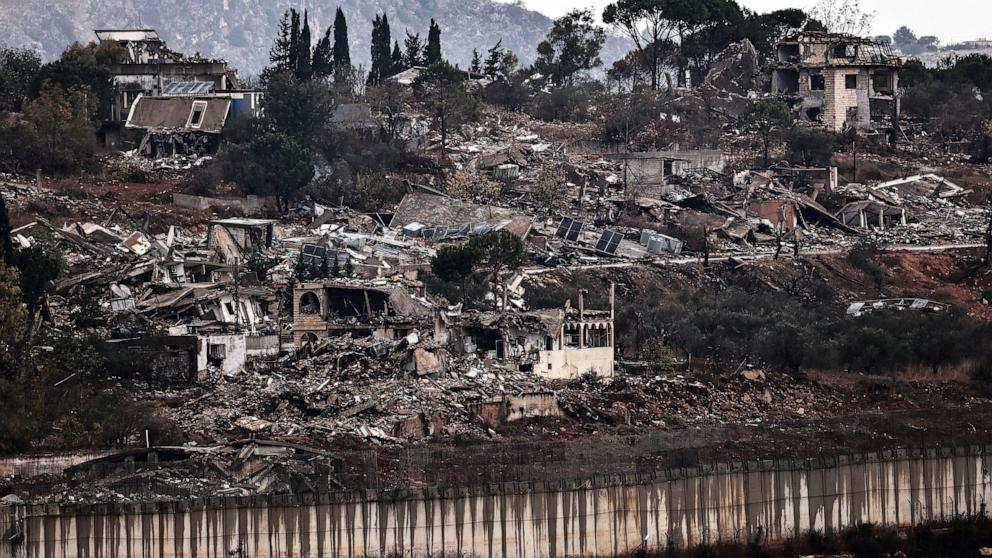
(241, 31)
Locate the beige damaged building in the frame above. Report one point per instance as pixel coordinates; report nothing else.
(838, 80)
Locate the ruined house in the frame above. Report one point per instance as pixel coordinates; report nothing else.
(178, 359)
(178, 125)
(164, 81)
(418, 212)
(233, 240)
(838, 80)
(149, 67)
(358, 308)
(557, 344)
(648, 172)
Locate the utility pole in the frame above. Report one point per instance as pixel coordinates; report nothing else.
(237, 295)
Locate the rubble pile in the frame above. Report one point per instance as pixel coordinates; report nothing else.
(239, 468)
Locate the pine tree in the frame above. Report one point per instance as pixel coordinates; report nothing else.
(433, 52)
(342, 56)
(279, 54)
(304, 66)
(323, 61)
(413, 48)
(396, 60)
(476, 67)
(493, 60)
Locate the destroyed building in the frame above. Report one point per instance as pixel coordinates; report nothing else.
(839, 81)
(556, 344)
(161, 91)
(649, 170)
(235, 239)
(149, 67)
(357, 308)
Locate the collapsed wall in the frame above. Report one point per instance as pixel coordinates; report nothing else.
(769, 500)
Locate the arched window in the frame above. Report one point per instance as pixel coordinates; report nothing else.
(309, 304)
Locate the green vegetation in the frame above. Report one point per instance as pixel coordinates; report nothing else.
(769, 120)
(440, 92)
(494, 254)
(572, 46)
(776, 331)
(810, 147)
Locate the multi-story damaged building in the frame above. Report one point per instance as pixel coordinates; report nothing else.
(165, 92)
(838, 80)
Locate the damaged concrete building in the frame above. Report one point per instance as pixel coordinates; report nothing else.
(331, 308)
(163, 92)
(235, 239)
(649, 171)
(839, 81)
(556, 344)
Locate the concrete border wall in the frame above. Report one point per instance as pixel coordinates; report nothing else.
(602, 516)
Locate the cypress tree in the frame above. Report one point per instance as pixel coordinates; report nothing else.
(373, 78)
(342, 55)
(385, 42)
(433, 53)
(380, 51)
(323, 61)
(304, 66)
(396, 60)
(294, 41)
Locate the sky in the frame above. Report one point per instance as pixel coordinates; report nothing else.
(950, 20)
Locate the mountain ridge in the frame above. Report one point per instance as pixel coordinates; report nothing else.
(241, 31)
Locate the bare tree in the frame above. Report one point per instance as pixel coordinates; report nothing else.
(843, 16)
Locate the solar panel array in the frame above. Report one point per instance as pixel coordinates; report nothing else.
(569, 229)
(459, 231)
(609, 242)
(179, 88)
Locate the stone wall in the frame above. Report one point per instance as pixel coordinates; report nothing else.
(594, 517)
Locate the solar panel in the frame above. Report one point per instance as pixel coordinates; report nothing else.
(177, 88)
(609, 242)
(313, 253)
(440, 233)
(569, 229)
